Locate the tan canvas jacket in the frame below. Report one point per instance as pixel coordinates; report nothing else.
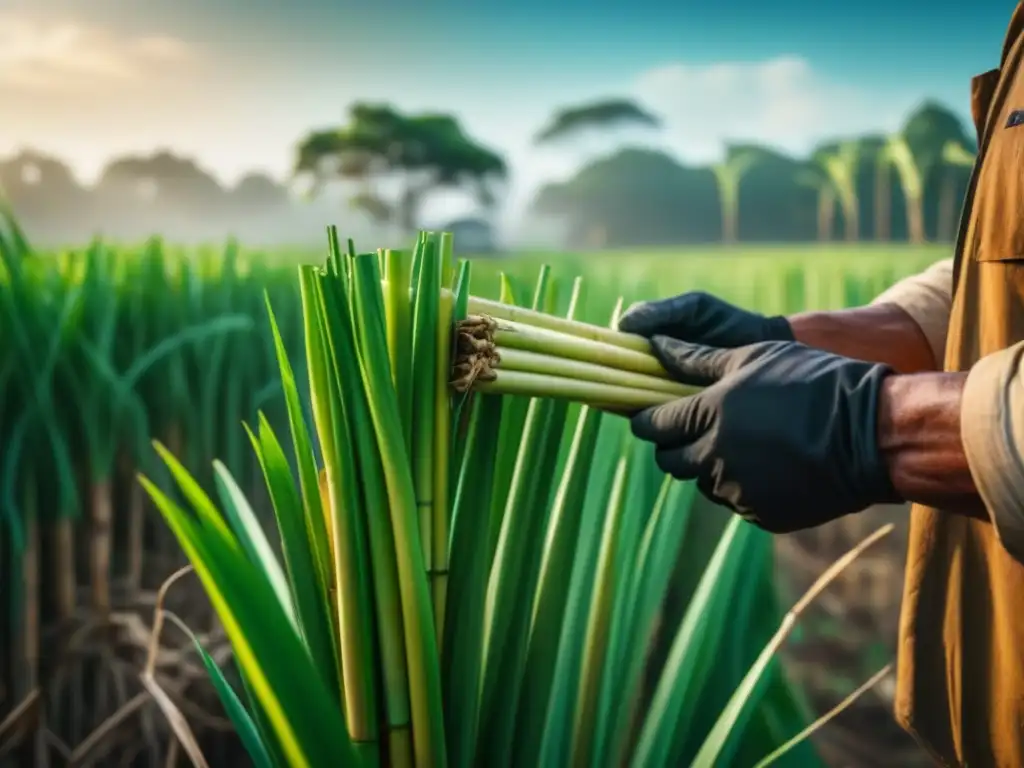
(960, 682)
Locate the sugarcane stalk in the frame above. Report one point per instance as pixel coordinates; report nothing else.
(563, 325)
(424, 355)
(32, 614)
(136, 524)
(523, 361)
(442, 470)
(398, 319)
(63, 566)
(514, 335)
(482, 333)
(101, 515)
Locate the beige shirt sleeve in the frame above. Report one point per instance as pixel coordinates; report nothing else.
(992, 428)
(927, 297)
(992, 410)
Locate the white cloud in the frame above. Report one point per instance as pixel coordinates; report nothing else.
(37, 55)
(780, 102)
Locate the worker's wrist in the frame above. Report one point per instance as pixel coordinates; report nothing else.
(919, 440)
(879, 334)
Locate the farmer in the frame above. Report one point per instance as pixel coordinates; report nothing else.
(918, 397)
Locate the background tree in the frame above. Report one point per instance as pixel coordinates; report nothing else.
(911, 182)
(258, 192)
(775, 205)
(398, 160)
(602, 116)
(882, 190)
(638, 197)
(647, 197)
(388, 165)
(729, 172)
(176, 181)
(841, 165)
(41, 187)
(926, 132)
(137, 195)
(814, 177)
(955, 157)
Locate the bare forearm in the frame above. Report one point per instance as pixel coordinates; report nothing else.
(920, 439)
(880, 334)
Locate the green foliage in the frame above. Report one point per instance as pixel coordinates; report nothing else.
(114, 346)
(637, 198)
(561, 552)
(603, 115)
(927, 132)
(427, 151)
(642, 197)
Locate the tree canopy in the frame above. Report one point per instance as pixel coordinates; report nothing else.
(387, 164)
(602, 115)
(638, 197)
(412, 154)
(929, 129)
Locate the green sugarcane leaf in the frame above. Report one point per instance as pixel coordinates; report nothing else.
(460, 308)
(441, 459)
(336, 319)
(309, 483)
(246, 728)
(249, 534)
(205, 509)
(350, 565)
(624, 571)
(463, 651)
(728, 733)
(549, 608)
(307, 723)
(308, 595)
(697, 638)
(516, 566)
(424, 354)
(723, 738)
(560, 713)
(735, 621)
(398, 314)
(656, 559)
(596, 647)
(513, 419)
(215, 328)
(507, 290)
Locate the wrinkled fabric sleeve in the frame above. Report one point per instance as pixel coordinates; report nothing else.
(992, 427)
(927, 297)
(992, 409)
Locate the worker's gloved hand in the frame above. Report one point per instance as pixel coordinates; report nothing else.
(783, 434)
(703, 319)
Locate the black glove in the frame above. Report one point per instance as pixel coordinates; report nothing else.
(784, 434)
(703, 319)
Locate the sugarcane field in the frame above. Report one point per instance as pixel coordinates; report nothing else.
(624, 405)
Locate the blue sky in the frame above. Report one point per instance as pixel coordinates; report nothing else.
(235, 83)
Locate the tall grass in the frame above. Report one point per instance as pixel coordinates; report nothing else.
(103, 349)
(107, 347)
(525, 631)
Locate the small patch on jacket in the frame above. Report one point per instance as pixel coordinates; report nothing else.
(1016, 118)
